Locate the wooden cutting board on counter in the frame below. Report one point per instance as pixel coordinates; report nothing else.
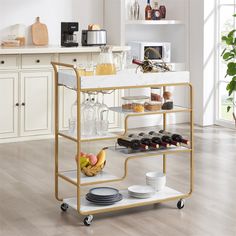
(39, 33)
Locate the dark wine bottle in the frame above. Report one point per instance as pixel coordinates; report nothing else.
(146, 65)
(175, 137)
(145, 141)
(156, 140)
(131, 143)
(165, 138)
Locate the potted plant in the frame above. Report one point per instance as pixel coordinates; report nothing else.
(229, 56)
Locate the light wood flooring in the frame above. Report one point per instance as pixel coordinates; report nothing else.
(28, 206)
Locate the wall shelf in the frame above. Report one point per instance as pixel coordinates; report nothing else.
(154, 22)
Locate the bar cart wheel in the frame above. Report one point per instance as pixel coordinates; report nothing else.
(180, 204)
(64, 206)
(88, 220)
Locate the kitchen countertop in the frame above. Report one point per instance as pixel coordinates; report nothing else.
(56, 49)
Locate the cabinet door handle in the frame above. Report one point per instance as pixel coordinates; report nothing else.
(2, 62)
(22, 104)
(37, 61)
(75, 60)
(17, 104)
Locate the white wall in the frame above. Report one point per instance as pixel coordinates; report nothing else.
(51, 12)
(202, 58)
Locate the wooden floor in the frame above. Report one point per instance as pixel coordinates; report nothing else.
(28, 206)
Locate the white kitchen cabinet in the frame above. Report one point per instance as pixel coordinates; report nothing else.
(36, 103)
(9, 105)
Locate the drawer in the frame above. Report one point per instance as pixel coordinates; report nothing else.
(75, 58)
(36, 61)
(8, 62)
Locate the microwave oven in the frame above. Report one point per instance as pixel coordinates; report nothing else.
(139, 51)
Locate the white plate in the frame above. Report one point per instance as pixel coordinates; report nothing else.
(140, 189)
(104, 191)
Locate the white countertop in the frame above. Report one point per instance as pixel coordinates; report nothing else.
(55, 49)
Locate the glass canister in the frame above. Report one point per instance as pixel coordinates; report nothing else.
(156, 94)
(168, 101)
(105, 65)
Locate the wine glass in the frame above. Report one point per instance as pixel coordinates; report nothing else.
(88, 114)
(102, 124)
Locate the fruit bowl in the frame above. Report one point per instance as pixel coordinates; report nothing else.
(90, 164)
(92, 170)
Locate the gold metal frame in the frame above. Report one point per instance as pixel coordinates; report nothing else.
(78, 184)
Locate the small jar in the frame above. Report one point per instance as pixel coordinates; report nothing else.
(168, 101)
(156, 94)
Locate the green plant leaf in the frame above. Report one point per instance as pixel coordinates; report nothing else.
(228, 108)
(229, 41)
(224, 38)
(231, 33)
(231, 87)
(234, 15)
(227, 55)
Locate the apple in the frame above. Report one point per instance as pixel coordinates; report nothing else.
(92, 159)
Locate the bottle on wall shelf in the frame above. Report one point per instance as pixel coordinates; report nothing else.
(148, 11)
(134, 10)
(156, 14)
(162, 10)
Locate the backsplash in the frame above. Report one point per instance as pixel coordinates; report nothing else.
(51, 13)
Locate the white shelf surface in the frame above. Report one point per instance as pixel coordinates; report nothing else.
(102, 176)
(112, 151)
(123, 79)
(174, 110)
(87, 138)
(127, 201)
(154, 22)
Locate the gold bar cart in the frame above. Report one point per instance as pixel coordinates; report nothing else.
(82, 84)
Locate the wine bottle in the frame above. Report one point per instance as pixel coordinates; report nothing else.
(156, 14)
(175, 137)
(131, 143)
(146, 65)
(148, 11)
(156, 140)
(165, 138)
(145, 141)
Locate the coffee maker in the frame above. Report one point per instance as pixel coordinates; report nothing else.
(68, 36)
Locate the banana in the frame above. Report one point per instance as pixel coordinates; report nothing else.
(101, 156)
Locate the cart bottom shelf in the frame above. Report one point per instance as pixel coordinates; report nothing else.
(127, 201)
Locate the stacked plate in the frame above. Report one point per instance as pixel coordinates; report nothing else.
(141, 191)
(104, 196)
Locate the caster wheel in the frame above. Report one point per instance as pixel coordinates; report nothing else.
(88, 220)
(180, 204)
(64, 207)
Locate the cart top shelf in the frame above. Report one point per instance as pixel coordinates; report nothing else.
(123, 79)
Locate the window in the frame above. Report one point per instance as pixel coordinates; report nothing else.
(226, 22)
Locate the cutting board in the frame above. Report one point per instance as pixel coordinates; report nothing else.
(39, 33)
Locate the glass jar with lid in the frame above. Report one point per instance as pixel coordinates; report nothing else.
(105, 65)
(156, 94)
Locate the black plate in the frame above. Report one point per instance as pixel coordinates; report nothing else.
(106, 202)
(100, 199)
